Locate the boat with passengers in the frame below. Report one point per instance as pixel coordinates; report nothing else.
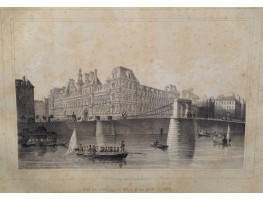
(104, 153)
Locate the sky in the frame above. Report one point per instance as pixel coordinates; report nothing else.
(209, 56)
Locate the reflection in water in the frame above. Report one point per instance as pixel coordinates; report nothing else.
(181, 141)
(184, 151)
(52, 149)
(110, 163)
(35, 151)
(99, 134)
(32, 151)
(173, 133)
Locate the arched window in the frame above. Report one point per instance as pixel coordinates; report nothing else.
(113, 96)
(113, 85)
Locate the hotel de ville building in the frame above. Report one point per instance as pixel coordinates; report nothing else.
(121, 95)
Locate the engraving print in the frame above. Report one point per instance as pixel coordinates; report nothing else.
(131, 94)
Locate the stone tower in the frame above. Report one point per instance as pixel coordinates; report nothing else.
(80, 83)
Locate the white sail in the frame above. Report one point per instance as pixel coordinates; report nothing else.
(228, 135)
(73, 143)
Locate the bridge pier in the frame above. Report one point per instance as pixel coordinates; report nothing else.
(105, 128)
(173, 133)
(180, 126)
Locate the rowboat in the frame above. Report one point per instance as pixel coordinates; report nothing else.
(73, 147)
(53, 144)
(159, 146)
(103, 155)
(29, 144)
(204, 134)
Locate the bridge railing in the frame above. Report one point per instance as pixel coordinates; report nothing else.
(220, 119)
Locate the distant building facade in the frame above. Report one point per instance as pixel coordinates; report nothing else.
(40, 111)
(24, 100)
(204, 109)
(121, 95)
(189, 94)
(229, 106)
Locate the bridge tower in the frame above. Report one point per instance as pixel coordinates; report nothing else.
(179, 124)
(182, 108)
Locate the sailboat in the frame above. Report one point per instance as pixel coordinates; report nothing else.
(225, 140)
(74, 147)
(73, 143)
(228, 136)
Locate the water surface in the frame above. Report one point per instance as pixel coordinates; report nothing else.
(186, 151)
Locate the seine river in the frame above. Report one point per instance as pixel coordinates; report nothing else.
(186, 150)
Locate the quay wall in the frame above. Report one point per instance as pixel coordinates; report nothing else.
(218, 126)
(131, 126)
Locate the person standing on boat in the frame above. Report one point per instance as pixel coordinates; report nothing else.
(224, 141)
(122, 146)
(80, 147)
(94, 149)
(42, 141)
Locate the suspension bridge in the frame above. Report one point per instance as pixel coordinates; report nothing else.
(179, 108)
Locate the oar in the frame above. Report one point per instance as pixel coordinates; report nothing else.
(63, 144)
(137, 153)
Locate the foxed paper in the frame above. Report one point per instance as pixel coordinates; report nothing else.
(131, 100)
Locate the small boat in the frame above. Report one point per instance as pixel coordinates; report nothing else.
(204, 134)
(29, 144)
(223, 140)
(159, 146)
(104, 155)
(74, 147)
(110, 155)
(52, 144)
